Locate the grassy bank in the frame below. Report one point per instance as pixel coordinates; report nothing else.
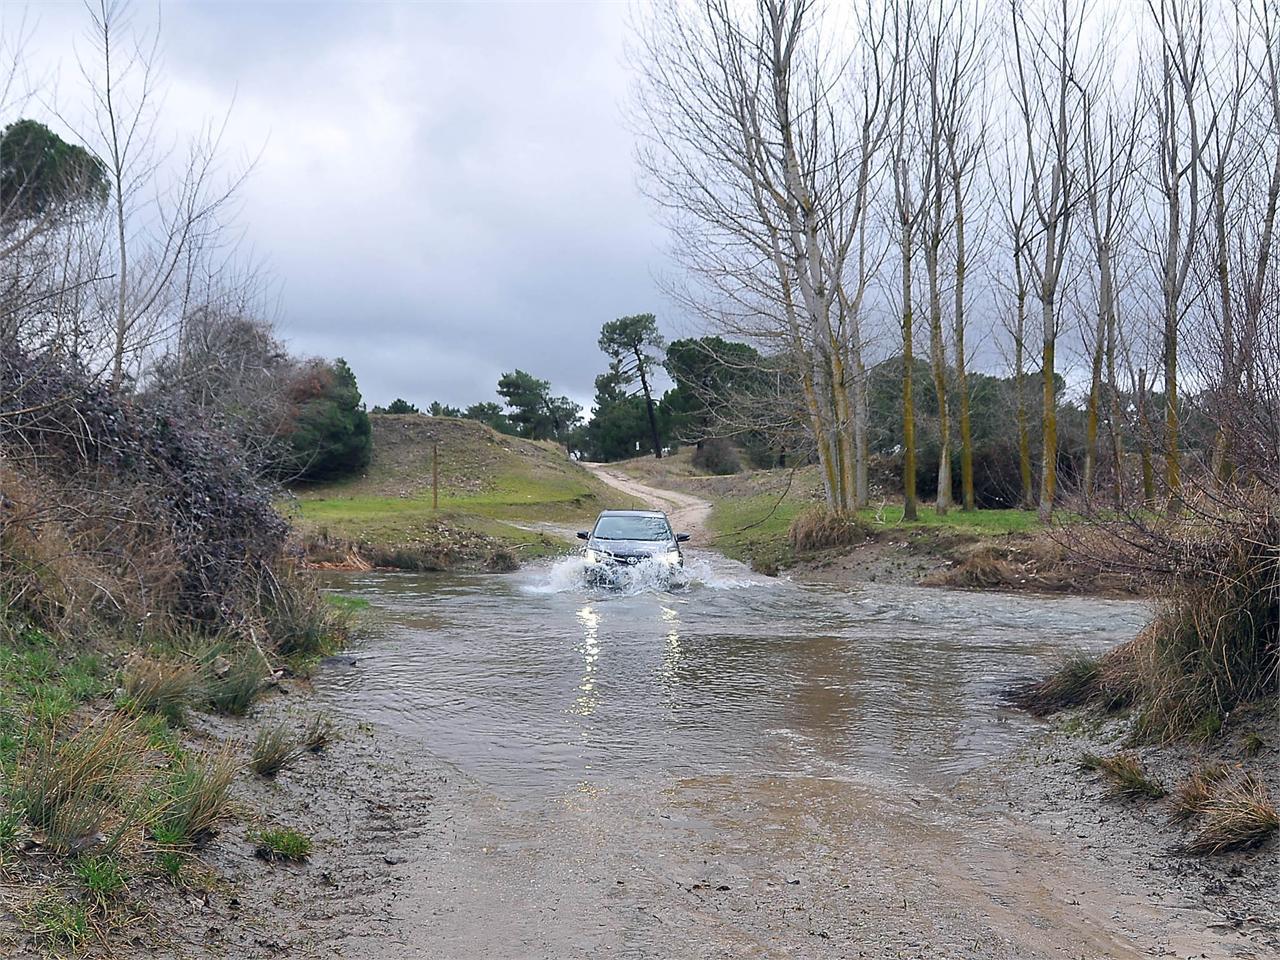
(492, 490)
(122, 764)
(755, 529)
(753, 513)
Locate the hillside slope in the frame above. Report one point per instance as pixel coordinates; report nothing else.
(493, 489)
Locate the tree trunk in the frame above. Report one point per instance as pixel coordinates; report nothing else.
(1049, 447)
(962, 373)
(909, 511)
(1028, 501)
(648, 406)
(1095, 400)
(1144, 431)
(938, 361)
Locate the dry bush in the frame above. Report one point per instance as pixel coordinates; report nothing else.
(274, 749)
(160, 686)
(1238, 815)
(1125, 774)
(820, 529)
(988, 565)
(78, 791)
(1213, 645)
(717, 456)
(1193, 794)
(197, 794)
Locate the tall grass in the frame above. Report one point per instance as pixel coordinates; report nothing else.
(195, 796)
(81, 792)
(160, 686)
(233, 686)
(820, 529)
(273, 750)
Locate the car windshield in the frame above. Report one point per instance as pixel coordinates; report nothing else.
(633, 528)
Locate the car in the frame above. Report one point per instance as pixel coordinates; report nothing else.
(622, 539)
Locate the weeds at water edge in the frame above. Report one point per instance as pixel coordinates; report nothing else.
(1238, 815)
(1125, 775)
(274, 750)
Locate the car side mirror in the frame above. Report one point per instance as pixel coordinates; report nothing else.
(583, 535)
(682, 537)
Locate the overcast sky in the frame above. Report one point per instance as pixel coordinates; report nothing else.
(443, 190)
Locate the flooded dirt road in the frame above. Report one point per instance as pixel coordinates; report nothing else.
(740, 767)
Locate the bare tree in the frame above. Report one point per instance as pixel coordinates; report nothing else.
(763, 169)
(1049, 63)
(1174, 105)
(153, 225)
(1109, 144)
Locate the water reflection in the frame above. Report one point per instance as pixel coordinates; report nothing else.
(590, 648)
(538, 690)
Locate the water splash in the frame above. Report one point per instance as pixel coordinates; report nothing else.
(574, 575)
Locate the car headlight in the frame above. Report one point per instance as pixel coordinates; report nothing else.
(592, 556)
(672, 557)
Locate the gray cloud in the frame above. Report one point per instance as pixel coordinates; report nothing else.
(444, 191)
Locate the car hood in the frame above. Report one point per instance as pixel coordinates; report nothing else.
(632, 548)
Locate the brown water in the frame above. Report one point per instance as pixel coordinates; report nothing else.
(535, 683)
(734, 766)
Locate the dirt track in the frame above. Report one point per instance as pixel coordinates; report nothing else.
(688, 513)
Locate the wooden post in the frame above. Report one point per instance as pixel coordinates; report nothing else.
(435, 474)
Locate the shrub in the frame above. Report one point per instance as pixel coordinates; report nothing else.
(195, 797)
(274, 750)
(1238, 815)
(160, 686)
(820, 529)
(1211, 647)
(163, 511)
(1126, 776)
(717, 456)
(286, 844)
(331, 436)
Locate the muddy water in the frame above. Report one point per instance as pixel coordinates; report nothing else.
(730, 766)
(534, 683)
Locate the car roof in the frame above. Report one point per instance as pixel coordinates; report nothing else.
(632, 513)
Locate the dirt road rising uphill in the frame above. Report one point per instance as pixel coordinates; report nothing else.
(688, 513)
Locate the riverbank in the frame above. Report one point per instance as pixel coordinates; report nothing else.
(749, 516)
(1148, 836)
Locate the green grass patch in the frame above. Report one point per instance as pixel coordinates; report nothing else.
(755, 528)
(59, 922)
(41, 682)
(285, 844)
(347, 604)
(103, 877)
